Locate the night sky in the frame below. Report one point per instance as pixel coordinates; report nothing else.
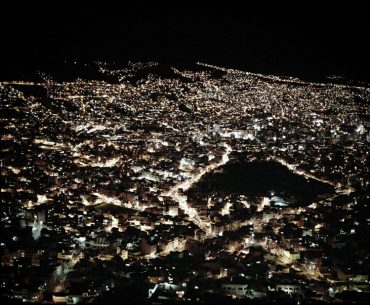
(306, 43)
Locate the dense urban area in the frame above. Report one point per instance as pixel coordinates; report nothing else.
(175, 184)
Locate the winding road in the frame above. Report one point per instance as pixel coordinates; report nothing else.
(187, 184)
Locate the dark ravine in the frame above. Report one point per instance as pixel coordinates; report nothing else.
(263, 178)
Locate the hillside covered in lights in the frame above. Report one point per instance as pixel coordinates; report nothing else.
(189, 183)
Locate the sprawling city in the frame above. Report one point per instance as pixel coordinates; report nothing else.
(160, 184)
